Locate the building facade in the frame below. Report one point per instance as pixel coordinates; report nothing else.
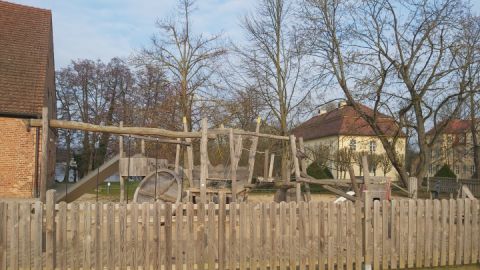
(453, 147)
(340, 137)
(27, 84)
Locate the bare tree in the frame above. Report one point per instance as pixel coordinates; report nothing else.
(273, 64)
(385, 164)
(189, 60)
(399, 56)
(320, 154)
(343, 160)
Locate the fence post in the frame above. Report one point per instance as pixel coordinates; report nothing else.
(204, 161)
(412, 187)
(50, 230)
(3, 236)
(221, 231)
(368, 240)
(44, 160)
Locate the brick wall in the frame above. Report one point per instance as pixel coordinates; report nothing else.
(17, 158)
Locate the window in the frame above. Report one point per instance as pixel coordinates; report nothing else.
(464, 169)
(373, 146)
(457, 170)
(353, 144)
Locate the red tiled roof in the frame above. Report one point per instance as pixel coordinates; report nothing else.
(454, 126)
(25, 41)
(344, 121)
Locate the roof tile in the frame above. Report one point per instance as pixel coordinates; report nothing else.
(25, 40)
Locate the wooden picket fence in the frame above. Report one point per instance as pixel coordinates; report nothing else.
(315, 235)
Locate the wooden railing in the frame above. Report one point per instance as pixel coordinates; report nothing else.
(396, 234)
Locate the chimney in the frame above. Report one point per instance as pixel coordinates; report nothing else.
(342, 104)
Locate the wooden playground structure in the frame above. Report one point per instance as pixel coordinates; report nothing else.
(204, 182)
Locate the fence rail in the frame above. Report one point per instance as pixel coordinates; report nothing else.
(453, 185)
(387, 234)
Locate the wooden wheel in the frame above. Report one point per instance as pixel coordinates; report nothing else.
(168, 187)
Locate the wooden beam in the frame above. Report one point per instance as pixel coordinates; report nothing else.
(334, 182)
(466, 193)
(45, 149)
(117, 130)
(339, 192)
(158, 139)
(353, 179)
(224, 131)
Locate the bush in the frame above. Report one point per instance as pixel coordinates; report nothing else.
(319, 172)
(445, 171)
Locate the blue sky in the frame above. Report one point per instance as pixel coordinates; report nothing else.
(102, 29)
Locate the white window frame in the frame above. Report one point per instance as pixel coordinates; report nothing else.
(353, 145)
(373, 146)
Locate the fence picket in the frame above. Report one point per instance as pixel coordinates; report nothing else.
(467, 233)
(404, 233)
(475, 231)
(37, 228)
(451, 237)
(460, 227)
(437, 230)
(377, 235)
(444, 233)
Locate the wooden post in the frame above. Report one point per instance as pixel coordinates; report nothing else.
(204, 161)
(233, 167)
(142, 146)
(3, 235)
(177, 158)
(412, 187)
(45, 149)
(189, 160)
(354, 182)
(265, 165)
(50, 237)
(366, 171)
(122, 178)
(303, 164)
(253, 152)
(293, 145)
(270, 169)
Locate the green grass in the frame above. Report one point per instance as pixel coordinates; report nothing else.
(113, 192)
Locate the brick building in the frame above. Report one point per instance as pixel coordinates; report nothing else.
(27, 83)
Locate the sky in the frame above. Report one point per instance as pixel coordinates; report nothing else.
(103, 29)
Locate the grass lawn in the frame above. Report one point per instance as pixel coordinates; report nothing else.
(113, 192)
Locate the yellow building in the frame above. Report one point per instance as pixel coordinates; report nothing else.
(341, 136)
(454, 148)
